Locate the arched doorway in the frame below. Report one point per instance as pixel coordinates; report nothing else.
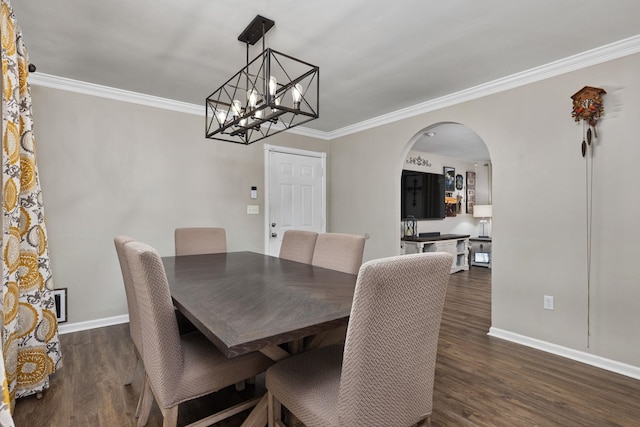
(448, 148)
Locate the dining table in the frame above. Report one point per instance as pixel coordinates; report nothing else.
(246, 301)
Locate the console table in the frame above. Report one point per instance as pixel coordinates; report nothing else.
(456, 244)
(481, 251)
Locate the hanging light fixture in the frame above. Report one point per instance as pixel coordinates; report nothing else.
(272, 93)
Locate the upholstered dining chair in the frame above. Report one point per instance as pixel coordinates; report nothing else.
(337, 251)
(179, 367)
(384, 374)
(298, 245)
(132, 306)
(200, 240)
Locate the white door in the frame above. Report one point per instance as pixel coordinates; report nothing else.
(295, 183)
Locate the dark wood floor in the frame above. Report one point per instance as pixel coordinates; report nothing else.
(480, 380)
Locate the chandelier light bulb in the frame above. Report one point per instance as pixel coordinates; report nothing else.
(273, 85)
(296, 94)
(221, 116)
(236, 108)
(252, 97)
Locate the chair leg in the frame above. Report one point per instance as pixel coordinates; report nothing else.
(275, 411)
(131, 370)
(146, 401)
(170, 417)
(425, 422)
(141, 397)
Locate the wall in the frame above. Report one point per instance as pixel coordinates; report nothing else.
(539, 205)
(110, 168)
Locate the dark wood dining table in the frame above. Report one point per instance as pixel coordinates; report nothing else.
(245, 301)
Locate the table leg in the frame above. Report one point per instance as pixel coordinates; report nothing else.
(259, 414)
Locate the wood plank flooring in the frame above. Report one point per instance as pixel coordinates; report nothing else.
(480, 380)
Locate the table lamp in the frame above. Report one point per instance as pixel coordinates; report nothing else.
(484, 212)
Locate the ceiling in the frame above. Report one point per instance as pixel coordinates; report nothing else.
(453, 140)
(375, 56)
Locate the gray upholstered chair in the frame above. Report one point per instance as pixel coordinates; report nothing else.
(384, 374)
(132, 306)
(200, 240)
(179, 368)
(337, 251)
(298, 245)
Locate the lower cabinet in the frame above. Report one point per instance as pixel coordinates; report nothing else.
(457, 246)
(480, 251)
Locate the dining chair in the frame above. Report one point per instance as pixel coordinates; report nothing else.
(134, 320)
(337, 251)
(384, 373)
(132, 306)
(200, 240)
(298, 245)
(179, 368)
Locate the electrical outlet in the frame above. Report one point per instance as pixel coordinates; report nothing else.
(548, 302)
(253, 209)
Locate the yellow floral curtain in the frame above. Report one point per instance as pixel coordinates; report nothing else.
(30, 331)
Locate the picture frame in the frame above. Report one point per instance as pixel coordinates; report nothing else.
(471, 191)
(60, 297)
(449, 179)
(459, 182)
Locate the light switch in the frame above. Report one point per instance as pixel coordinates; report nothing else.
(253, 209)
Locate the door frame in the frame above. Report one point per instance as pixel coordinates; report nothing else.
(267, 207)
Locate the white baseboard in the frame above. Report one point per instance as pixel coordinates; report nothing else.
(579, 356)
(67, 328)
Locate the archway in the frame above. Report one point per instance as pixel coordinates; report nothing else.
(451, 148)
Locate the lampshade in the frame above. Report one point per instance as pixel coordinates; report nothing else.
(482, 211)
(272, 93)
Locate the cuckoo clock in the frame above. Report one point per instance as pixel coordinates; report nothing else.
(587, 106)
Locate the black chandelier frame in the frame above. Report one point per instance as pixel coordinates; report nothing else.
(269, 106)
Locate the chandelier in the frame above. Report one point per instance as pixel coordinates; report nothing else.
(272, 93)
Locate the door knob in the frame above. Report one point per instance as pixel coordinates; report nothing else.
(273, 224)
(274, 234)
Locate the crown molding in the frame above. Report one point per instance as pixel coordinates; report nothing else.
(585, 59)
(92, 89)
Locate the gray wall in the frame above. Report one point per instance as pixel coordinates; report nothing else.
(109, 168)
(539, 198)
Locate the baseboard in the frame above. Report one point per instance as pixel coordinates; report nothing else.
(67, 328)
(579, 356)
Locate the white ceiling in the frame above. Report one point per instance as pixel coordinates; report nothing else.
(375, 56)
(455, 141)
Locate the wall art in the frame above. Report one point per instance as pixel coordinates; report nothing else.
(449, 179)
(471, 191)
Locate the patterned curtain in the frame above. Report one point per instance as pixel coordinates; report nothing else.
(30, 331)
